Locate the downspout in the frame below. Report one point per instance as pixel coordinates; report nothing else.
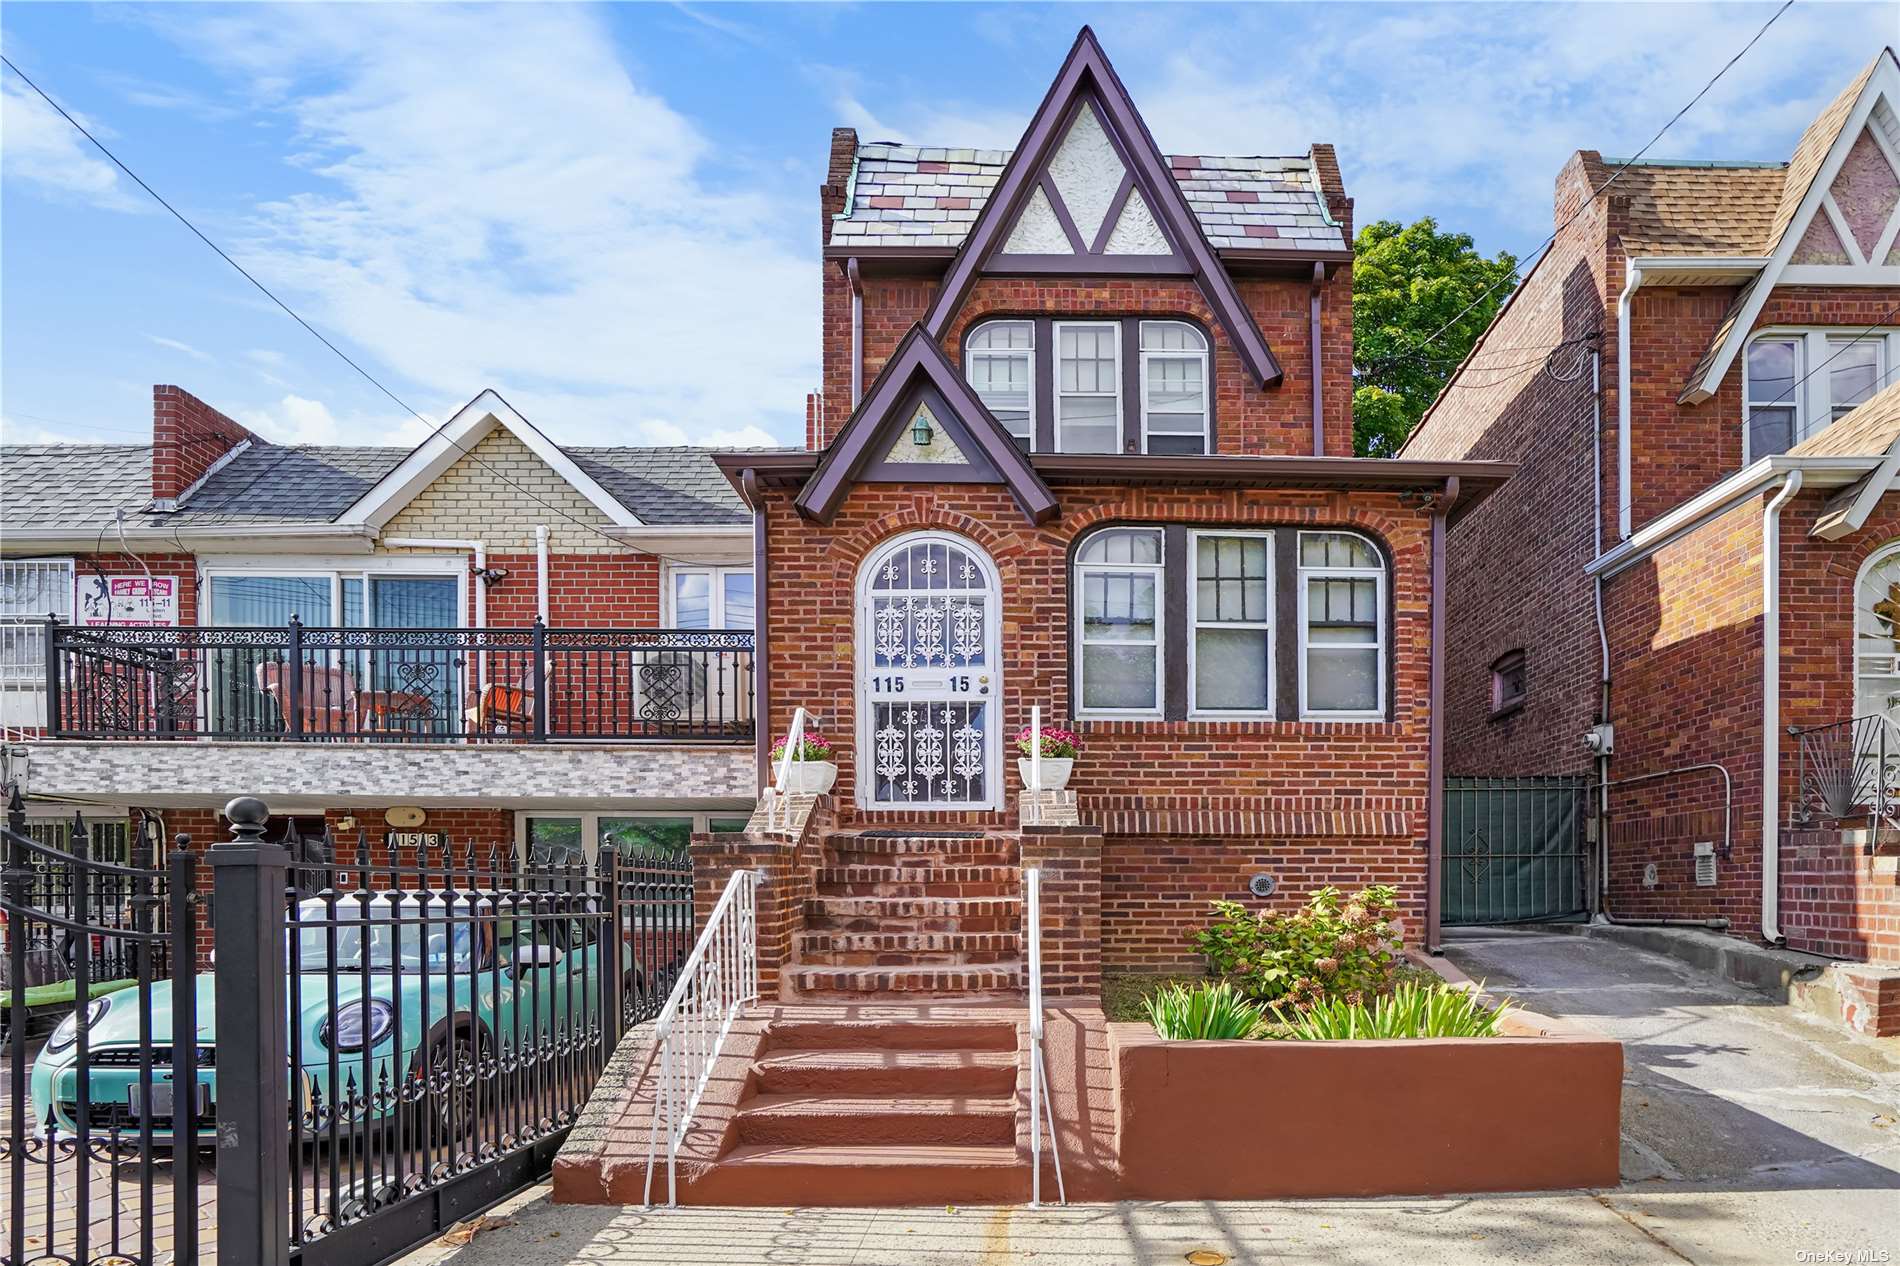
(541, 571)
(480, 552)
(1435, 757)
(1630, 285)
(761, 699)
(1603, 637)
(1319, 422)
(857, 332)
(1771, 710)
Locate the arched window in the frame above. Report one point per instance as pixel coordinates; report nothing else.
(999, 359)
(1173, 388)
(1118, 617)
(1877, 634)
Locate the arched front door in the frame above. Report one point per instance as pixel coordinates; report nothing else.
(930, 685)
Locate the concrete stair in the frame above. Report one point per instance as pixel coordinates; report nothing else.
(912, 916)
(894, 1111)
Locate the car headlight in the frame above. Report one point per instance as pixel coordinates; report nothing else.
(347, 1031)
(68, 1031)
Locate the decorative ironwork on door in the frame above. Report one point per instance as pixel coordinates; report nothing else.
(928, 629)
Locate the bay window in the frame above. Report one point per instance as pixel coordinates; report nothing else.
(1118, 579)
(1173, 388)
(1176, 622)
(1795, 383)
(1088, 387)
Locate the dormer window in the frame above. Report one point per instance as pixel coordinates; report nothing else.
(1109, 385)
(1797, 382)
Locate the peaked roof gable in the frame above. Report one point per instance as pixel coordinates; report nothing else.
(919, 372)
(452, 441)
(1810, 234)
(1028, 219)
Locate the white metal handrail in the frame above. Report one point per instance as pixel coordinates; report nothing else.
(1038, 1074)
(718, 978)
(794, 750)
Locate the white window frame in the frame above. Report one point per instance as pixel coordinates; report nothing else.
(590, 824)
(1207, 383)
(1377, 574)
(1195, 710)
(715, 587)
(1057, 394)
(1813, 398)
(336, 571)
(1859, 655)
(1078, 597)
(970, 354)
(33, 678)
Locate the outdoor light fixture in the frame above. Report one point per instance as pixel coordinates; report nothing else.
(920, 430)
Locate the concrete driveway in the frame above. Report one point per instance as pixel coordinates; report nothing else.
(1751, 1135)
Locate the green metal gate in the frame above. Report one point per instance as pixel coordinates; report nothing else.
(1515, 850)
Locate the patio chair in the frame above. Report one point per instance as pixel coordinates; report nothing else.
(503, 707)
(328, 699)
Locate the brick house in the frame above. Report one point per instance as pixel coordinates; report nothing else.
(190, 573)
(1083, 444)
(1710, 450)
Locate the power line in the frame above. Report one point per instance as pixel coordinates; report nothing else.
(1788, 397)
(1598, 192)
(289, 311)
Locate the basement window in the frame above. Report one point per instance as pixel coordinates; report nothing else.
(1508, 689)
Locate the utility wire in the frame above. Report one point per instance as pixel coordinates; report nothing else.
(1596, 193)
(436, 430)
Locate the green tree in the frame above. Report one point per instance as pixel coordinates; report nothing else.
(1407, 282)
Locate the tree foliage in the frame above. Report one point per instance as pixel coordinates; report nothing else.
(1407, 282)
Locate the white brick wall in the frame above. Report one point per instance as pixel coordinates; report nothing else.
(471, 502)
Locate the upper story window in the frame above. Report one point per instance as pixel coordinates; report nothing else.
(1796, 382)
(1000, 359)
(1113, 385)
(1173, 387)
(1176, 622)
(30, 590)
(709, 597)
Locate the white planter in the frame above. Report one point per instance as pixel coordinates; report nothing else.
(1055, 771)
(810, 777)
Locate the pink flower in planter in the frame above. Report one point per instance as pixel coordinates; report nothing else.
(812, 746)
(1056, 744)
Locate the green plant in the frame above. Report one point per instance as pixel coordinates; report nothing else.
(1208, 1011)
(1410, 1010)
(1056, 744)
(1332, 947)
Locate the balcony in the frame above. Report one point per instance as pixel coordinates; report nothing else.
(297, 684)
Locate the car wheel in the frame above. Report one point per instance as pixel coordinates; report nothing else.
(451, 1075)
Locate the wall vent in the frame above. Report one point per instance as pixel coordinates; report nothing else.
(1705, 864)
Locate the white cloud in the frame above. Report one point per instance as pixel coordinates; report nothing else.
(298, 419)
(176, 346)
(494, 201)
(664, 433)
(45, 150)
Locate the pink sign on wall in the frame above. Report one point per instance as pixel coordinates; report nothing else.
(128, 600)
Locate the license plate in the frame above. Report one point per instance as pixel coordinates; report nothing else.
(158, 1099)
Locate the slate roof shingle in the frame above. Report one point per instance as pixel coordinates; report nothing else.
(82, 486)
(910, 195)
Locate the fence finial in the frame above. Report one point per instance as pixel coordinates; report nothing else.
(247, 815)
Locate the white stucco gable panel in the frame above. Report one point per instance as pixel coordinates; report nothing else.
(453, 441)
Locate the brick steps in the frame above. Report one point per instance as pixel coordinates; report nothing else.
(867, 1072)
(921, 981)
(765, 1174)
(823, 948)
(919, 1035)
(819, 1120)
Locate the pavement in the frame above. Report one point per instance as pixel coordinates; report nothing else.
(1752, 1133)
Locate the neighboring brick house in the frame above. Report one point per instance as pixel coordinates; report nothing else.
(1084, 445)
(178, 568)
(1733, 316)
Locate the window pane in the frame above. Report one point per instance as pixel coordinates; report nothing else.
(33, 590)
(1087, 424)
(1231, 669)
(1176, 385)
(1087, 358)
(1003, 334)
(629, 836)
(1335, 549)
(1002, 383)
(1171, 336)
(727, 826)
(1853, 372)
(1118, 677)
(269, 601)
(692, 600)
(1231, 579)
(1123, 546)
(1342, 680)
(1770, 431)
(413, 602)
(1166, 445)
(1772, 365)
(738, 587)
(1118, 607)
(554, 840)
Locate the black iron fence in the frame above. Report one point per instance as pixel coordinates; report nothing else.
(1849, 771)
(445, 1015)
(535, 684)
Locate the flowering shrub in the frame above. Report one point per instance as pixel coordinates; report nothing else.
(1056, 744)
(812, 746)
(1329, 948)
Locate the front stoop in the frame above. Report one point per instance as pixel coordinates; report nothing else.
(836, 1106)
(904, 914)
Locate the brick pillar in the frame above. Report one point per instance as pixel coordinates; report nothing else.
(716, 857)
(1071, 865)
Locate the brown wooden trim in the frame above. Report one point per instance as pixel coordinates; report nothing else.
(1286, 624)
(1116, 205)
(1133, 405)
(1174, 652)
(1045, 382)
(1061, 209)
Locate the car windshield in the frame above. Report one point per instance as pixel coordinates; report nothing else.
(438, 947)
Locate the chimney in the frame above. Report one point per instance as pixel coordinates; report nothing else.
(831, 195)
(189, 440)
(815, 437)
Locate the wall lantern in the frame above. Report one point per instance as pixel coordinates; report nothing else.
(920, 433)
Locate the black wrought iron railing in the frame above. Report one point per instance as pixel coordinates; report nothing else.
(1848, 771)
(534, 684)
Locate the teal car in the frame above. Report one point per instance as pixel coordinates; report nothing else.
(423, 1015)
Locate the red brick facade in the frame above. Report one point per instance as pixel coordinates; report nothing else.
(188, 438)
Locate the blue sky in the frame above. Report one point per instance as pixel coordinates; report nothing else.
(609, 213)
